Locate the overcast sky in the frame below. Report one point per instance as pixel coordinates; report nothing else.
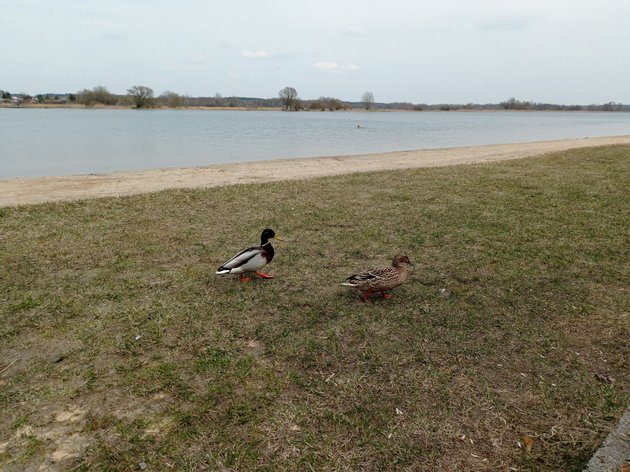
(457, 51)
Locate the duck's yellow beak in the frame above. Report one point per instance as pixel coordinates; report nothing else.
(278, 237)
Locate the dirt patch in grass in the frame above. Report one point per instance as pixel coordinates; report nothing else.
(507, 350)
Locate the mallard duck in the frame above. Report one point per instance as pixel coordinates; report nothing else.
(252, 259)
(380, 279)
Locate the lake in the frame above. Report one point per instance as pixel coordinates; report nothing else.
(46, 142)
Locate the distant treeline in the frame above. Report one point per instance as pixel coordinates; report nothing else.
(143, 97)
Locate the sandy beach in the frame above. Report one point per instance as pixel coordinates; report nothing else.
(22, 191)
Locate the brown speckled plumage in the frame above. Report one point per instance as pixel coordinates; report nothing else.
(380, 279)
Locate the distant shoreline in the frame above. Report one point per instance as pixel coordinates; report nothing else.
(73, 106)
(23, 191)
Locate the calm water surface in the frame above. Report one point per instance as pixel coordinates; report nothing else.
(37, 142)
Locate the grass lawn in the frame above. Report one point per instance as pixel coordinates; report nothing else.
(120, 350)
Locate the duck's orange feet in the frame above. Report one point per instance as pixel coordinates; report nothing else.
(243, 278)
(367, 294)
(386, 295)
(264, 276)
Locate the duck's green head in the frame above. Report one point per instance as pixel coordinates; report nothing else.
(266, 235)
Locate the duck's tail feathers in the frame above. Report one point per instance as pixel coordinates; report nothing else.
(223, 271)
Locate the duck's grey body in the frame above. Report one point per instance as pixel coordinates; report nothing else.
(249, 260)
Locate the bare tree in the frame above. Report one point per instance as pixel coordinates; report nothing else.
(331, 103)
(104, 96)
(142, 96)
(288, 95)
(85, 97)
(172, 99)
(514, 104)
(297, 105)
(368, 100)
(98, 94)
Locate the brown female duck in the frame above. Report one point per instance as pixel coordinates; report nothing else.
(380, 279)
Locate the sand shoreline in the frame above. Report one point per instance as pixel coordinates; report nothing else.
(22, 191)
